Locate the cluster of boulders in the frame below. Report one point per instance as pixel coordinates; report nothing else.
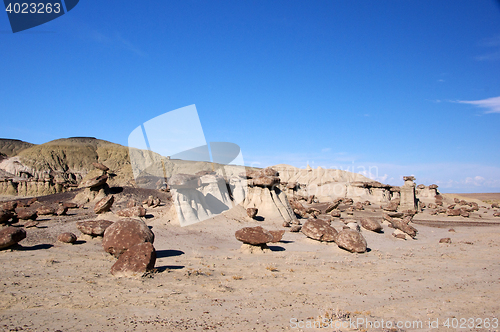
(458, 208)
(129, 240)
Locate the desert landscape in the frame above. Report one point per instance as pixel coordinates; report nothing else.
(86, 245)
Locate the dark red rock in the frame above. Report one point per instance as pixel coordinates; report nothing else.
(61, 210)
(95, 182)
(453, 212)
(9, 206)
(124, 234)
(295, 228)
(319, 229)
(445, 240)
(254, 235)
(351, 240)
(26, 214)
(136, 261)
(277, 235)
(93, 227)
(45, 211)
(10, 236)
(5, 216)
(67, 237)
(371, 224)
(70, 205)
(104, 205)
(136, 211)
(252, 212)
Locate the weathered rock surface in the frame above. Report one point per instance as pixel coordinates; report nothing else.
(445, 240)
(45, 211)
(93, 227)
(94, 182)
(351, 240)
(453, 212)
(252, 212)
(61, 210)
(277, 235)
(124, 234)
(5, 216)
(100, 166)
(319, 229)
(26, 214)
(254, 235)
(104, 205)
(10, 236)
(371, 224)
(135, 261)
(67, 237)
(136, 211)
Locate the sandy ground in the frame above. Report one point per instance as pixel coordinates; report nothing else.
(203, 281)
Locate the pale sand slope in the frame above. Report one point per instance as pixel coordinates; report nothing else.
(204, 282)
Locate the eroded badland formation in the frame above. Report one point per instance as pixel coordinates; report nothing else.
(85, 246)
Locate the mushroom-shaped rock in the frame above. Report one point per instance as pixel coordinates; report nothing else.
(371, 224)
(252, 212)
(124, 234)
(10, 236)
(94, 182)
(351, 240)
(100, 166)
(254, 235)
(136, 261)
(277, 235)
(104, 205)
(136, 211)
(26, 214)
(67, 237)
(319, 229)
(93, 227)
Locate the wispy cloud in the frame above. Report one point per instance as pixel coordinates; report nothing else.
(492, 104)
(493, 44)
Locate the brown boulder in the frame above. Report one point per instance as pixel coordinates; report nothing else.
(445, 240)
(264, 181)
(252, 212)
(45, 211)
(93, 227)
(67, 237)
(61, 210)
(124, 234)
(254, 235)
(452, 212)
(332, 206)
(10, 236)
(277, 235)
(335, 213)
(392, 205)
(295, 228)
(104, 205)
(402, 226)
(319, 229)
(432, 206)
(26, 214)
(421, 186)
(359, 206)
(351, 240)
(371, 224)
(136, 211)
(5, 216)
(94, 182)
(9, 206)
(456, 200)
(70, 205)
(100, 166)
(136, 261)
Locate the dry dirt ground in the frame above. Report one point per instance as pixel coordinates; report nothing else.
(203, 282)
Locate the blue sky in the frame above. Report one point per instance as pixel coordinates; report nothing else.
(391, 87)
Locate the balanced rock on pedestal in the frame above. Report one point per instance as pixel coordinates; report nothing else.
(254, 239)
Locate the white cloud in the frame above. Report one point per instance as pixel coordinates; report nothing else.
(492, 43)
(492, 104)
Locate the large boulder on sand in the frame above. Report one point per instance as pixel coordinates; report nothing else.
(10, 236)
(124, 234)
(26, 214)
(93, 227)
(371, 224)
(320, 230)
(67, 238)
(351, 240)
(254, 235)
(136, 261)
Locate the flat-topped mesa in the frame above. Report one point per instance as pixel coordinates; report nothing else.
(408, 199)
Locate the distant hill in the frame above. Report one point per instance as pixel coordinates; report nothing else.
(11, 147)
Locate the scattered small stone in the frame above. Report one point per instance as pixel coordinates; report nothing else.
(67, 237)
(445, 240)
(252, 212)
(451, 230)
